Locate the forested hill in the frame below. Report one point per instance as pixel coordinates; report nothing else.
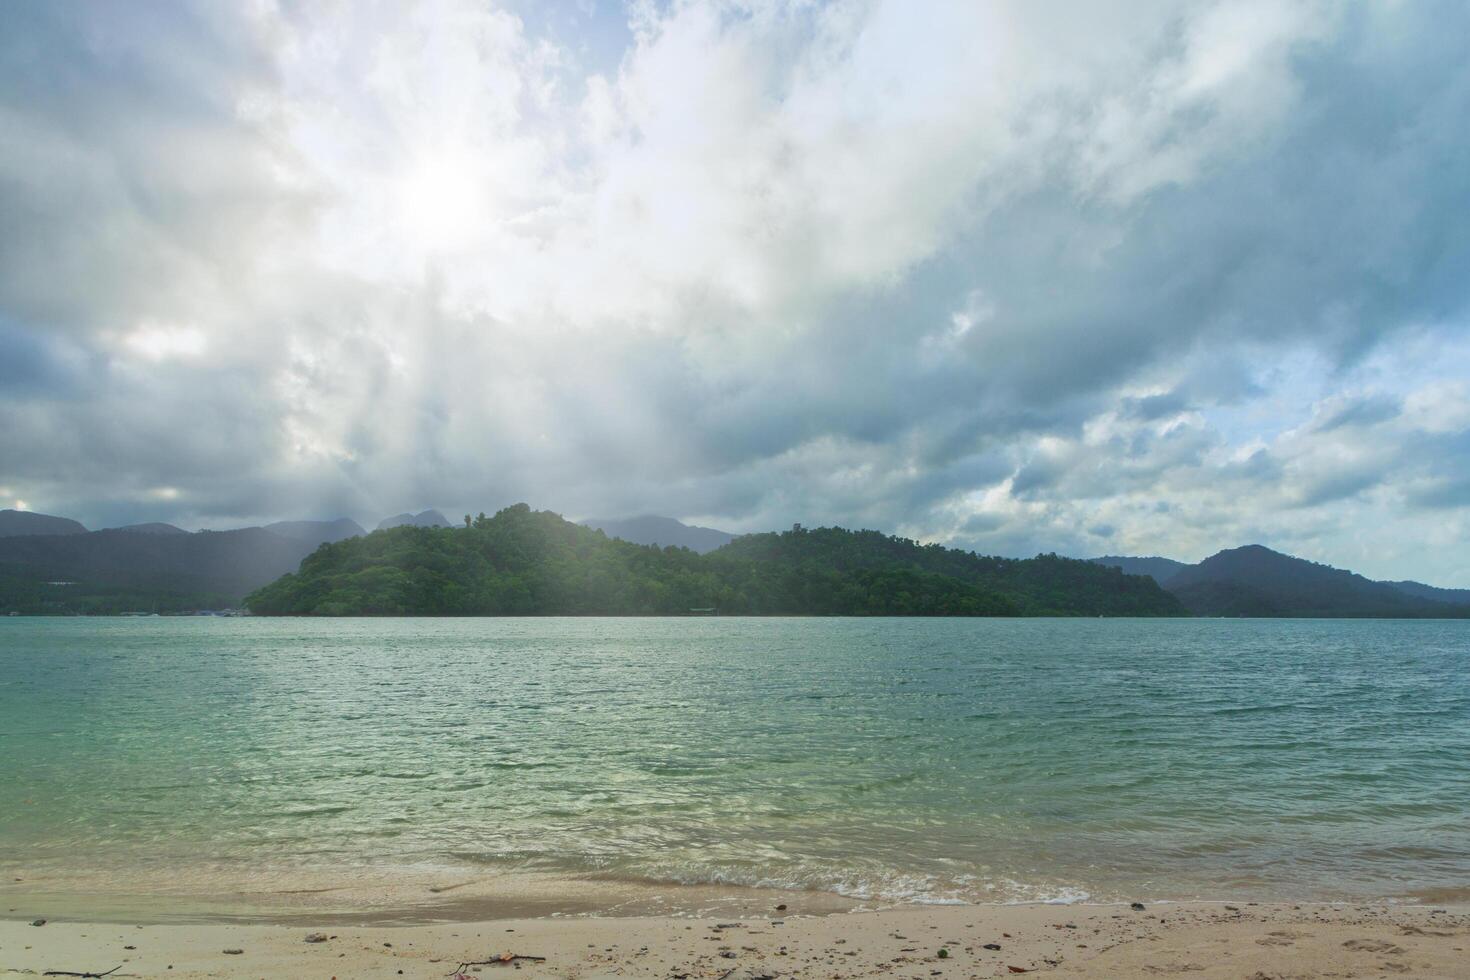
(524, 562)
(1256, 581)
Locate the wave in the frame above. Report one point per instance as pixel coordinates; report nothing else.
(881, 887)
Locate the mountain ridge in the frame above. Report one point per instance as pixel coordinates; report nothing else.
(119, 567)
(1156, 568)
(651, 529)
(152, 567)
(425, 518)
(21, 523)
(1253, 580)
(150, 527)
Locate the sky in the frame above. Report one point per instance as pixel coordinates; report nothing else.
(1127, 278)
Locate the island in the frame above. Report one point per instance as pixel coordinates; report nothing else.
(523, 562)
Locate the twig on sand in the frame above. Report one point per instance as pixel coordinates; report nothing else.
(70, 973)
(500, 960)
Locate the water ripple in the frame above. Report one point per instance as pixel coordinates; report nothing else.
(932, 760)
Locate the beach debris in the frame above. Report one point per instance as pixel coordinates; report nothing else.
(1416, 931)
(502, 960)
(995, 946)
(1137, 906)
(781, 907)
(233, 952)
(70, 973)
(316, 937)
(1017, 969)
(944, 954)
(39, 922)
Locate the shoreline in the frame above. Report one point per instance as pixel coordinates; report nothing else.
(431, 895)
(1193, 940)
(405, 899)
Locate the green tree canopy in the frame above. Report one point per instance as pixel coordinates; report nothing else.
(525, 562)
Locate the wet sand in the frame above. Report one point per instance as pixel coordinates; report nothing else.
(1196, 941)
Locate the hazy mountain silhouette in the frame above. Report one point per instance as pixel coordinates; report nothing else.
(318, 532)
(1158, 569)
(152, 566)
(152, 527)
(1256, 581)
(662, 531)
(201, 570)
(15, 523)
(428, 518)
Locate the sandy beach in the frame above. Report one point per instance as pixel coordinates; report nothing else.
(1201, 941)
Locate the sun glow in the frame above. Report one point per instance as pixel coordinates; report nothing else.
(165, 342)
(441, 201)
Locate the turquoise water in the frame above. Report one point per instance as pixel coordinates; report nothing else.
(930, 760)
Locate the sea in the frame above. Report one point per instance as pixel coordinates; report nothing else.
(879, 761)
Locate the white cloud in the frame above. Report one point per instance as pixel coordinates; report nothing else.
(981, 272)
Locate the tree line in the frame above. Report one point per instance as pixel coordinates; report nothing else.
(522, 562)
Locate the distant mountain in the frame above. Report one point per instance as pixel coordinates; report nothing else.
(152, 527)
(318, 532)
(1256, 581)
(1161, 570)
(428, 518)
(1420, 590)
(16, 523)
(117, 570)
(662, 531)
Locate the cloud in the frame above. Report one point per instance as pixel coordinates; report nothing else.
(1365, 411)
(1158, 278)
